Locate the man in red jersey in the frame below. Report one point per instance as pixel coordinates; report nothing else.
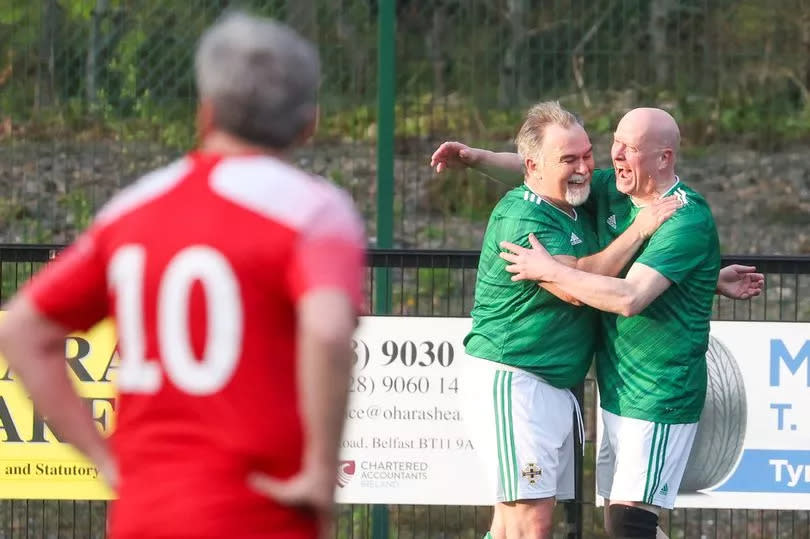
(235, 281)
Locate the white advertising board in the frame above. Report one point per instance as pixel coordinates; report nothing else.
(409, 438)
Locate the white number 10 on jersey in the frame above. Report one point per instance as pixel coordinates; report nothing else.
(223, 345)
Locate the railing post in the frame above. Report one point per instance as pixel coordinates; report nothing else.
(386, 89)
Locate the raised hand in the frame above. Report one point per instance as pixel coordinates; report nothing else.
(651, 217)
(740, 282)
(453, 155)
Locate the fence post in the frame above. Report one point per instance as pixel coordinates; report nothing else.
(386, 87)
(386, 82)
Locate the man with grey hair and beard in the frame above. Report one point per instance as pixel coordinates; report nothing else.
(531, 345)
(235, 281)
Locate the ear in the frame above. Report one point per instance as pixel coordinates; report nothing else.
(530, 165)
(666, 159)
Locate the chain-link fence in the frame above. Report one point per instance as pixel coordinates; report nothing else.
(96, 92)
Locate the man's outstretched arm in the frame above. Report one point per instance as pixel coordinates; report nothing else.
(613, 258)
(734, 281)
(505, 167)
(628, 296)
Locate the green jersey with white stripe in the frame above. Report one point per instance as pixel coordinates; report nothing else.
(652, 366)
(519, 323)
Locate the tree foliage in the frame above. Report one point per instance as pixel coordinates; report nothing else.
(724, 67)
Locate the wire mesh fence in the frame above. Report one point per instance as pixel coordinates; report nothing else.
(94, 93)
(441, 283)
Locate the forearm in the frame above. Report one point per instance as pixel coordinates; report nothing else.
(505, 167)
(42, 371)
(602, 292)
(613, 258)
(324, 374)
(558, 292)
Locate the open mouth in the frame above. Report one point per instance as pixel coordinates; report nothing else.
(622, 171)
(577, 180)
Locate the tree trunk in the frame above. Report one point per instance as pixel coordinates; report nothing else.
(44, 89)
(510, 89)
(805, 37)
(94, 50)
(303, 16)
(659, 13)
(435, 48)
(356, 82)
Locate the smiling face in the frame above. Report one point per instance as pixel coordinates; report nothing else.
(643, 151)
(556, 154)
(566, 165)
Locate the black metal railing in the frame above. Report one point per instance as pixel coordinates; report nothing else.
(441, 283)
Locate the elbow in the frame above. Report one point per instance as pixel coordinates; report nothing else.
(327, 320)
(584, 265)
(333, 335)
(326, 326)
(630, 306)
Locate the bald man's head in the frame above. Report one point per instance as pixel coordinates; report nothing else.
(644, 151)
(654, 128)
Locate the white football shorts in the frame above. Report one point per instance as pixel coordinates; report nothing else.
(529, 432)
(642, 461)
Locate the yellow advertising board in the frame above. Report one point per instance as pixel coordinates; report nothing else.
(34, 464)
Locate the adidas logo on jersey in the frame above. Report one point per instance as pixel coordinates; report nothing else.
(664, 490)
(611, 221)
(575, 239)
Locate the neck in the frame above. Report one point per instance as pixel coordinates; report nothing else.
(225, 144)
(560, 203)
(655, 191)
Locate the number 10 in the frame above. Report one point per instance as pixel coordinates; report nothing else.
(223, 344)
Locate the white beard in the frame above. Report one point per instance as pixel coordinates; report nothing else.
(577, 195)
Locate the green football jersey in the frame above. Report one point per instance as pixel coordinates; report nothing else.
(652, 366)
(519, 323)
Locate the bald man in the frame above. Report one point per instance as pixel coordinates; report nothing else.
(651, 366)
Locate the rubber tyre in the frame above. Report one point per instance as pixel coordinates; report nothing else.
(721, 429)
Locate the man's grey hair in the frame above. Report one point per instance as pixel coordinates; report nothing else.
(261, 77)
(529, 139)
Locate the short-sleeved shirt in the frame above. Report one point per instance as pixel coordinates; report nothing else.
(202, 265)
(652, 366)
(519, 323)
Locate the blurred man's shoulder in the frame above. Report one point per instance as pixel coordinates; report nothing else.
(278, 190)
(145, 189)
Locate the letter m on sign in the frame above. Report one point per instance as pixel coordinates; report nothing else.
(780, 354)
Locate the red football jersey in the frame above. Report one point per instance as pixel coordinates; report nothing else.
(201, 264)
